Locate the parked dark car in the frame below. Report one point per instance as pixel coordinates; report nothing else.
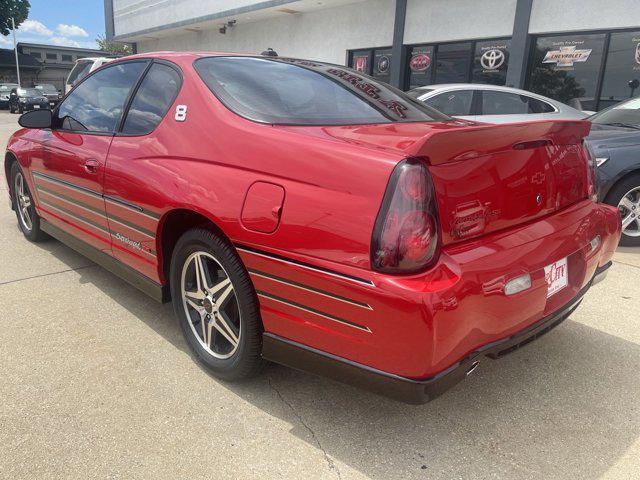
(615, 141)
(5, 91)
(24, 99)
(51, 92)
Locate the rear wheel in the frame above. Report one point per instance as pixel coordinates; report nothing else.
(626, 196)
(28, 219)
(216, 305)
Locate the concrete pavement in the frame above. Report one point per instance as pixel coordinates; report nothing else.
(97, 382)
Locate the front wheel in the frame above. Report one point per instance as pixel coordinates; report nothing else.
(216, 305)
(626, 196)
(28, 219)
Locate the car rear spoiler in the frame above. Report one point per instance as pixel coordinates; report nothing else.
(449, 145)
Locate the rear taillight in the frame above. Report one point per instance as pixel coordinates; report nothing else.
(592, 176)
(405, 236)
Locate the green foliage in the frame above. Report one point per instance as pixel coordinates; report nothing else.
(18, 9)
(112, 48)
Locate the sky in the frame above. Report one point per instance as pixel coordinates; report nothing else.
(73, 23)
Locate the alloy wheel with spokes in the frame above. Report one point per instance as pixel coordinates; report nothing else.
(211, 305)
(629, 208)
(23, 204)
(23, 200)
(216, 304)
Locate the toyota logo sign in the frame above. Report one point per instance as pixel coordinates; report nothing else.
(419, 62)
(492, 59)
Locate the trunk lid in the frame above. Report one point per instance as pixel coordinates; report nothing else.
(490, 177)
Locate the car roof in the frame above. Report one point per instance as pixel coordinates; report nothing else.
(485, 86)
(475, 86)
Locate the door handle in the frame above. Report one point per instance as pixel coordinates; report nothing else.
(92, 165)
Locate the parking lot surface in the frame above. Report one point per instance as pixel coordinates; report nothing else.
(97, 382)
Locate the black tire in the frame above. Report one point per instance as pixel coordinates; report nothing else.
(11, 109)
(614, 197)
(20, 109)
(33, 234)
(246, 361)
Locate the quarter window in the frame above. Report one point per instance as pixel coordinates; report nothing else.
(457, 103)
(152, 100)
(96, 104)
(504, 103)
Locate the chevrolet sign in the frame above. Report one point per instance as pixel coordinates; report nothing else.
(566, 56)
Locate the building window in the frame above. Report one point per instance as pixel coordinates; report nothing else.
(382, 65)
(622, 71)
(567, 68)
(462, 62)
(52, 56)
(67, 58)
(490, 62)
(453, 63)
(419, 62)
(361, 60)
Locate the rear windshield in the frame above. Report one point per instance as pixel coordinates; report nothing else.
(7, 87)
(301, 92)
(80, 71)
(47, 88)
(29, 92)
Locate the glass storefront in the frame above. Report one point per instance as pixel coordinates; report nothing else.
(459, 62)
(566, 68)
(376, 62)
(589, 71)
(621, 78)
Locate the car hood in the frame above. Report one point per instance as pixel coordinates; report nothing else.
(611, 136)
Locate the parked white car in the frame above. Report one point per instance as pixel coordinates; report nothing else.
(82, 68)
(493, 104)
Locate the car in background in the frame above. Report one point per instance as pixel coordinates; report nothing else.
(82, 68)
(615, 141)
(493, 103)
(5, 91)
(24, 99)
(51, 92)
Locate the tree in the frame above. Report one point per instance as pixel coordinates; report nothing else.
(18, 9)
(113, 48)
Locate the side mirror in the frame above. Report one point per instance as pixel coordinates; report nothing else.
(36, 119)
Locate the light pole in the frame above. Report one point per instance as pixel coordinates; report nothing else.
(15, 49)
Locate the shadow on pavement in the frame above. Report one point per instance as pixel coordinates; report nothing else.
(565, 406)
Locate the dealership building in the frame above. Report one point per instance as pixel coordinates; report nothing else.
(582, 52)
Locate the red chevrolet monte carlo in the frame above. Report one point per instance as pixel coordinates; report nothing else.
(303, 213)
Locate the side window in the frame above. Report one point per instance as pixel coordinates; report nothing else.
(96, 104)
(455, 103)
(157, 92)
(538, 106)
(504, 103)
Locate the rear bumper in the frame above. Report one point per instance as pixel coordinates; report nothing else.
(408, 390)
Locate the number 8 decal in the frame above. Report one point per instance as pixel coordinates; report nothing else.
(181, 113)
